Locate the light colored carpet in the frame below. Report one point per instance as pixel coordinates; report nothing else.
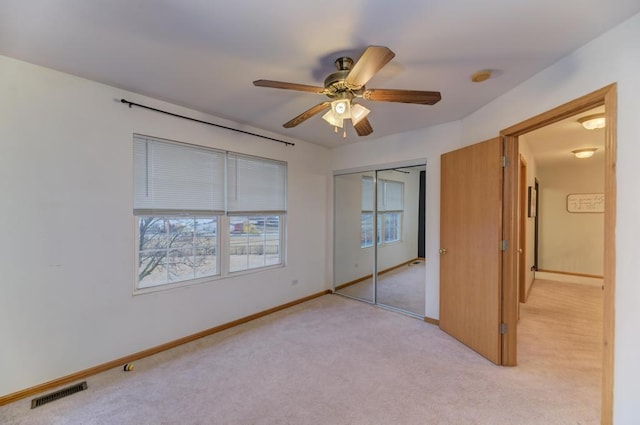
(331, 360)
(560, 338)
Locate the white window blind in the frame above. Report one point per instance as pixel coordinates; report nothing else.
(367, 193)
(255, 184)
(176, 178)
(390, 195)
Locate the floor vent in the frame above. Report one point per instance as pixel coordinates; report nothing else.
(48, 398)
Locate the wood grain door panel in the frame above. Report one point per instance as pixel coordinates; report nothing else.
(471, 232)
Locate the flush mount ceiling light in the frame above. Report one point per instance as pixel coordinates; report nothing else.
(584, 153)
(591, 122)
(481, 76)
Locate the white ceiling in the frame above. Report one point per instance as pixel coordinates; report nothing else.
(552, 145)
(204, 54)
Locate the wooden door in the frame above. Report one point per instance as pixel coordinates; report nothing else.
(470, 242)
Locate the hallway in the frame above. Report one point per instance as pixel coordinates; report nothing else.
(560, 336)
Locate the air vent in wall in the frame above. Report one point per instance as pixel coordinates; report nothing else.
(39, 401)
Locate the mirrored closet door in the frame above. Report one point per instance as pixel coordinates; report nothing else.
(353, 235)
(379, 237)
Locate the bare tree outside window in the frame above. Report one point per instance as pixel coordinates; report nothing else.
(173, 249)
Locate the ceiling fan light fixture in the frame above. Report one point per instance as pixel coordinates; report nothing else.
(332, 118)
(358, 113)
(584, 153)
(341, 108)
(592, 122)
(348, 83)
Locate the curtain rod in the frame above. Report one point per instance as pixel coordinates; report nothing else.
(204, 122)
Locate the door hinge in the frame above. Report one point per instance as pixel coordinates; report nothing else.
(503, 328)
(504, 161)
(504, 245)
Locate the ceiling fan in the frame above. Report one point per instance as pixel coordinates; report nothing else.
(347, 84)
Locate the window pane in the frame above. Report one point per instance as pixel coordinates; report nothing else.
(179, 265)
(206, 244)
(174, 249)
(391, 227)
(272, 241)
(254, 241)
(152, 268)
(366, 230)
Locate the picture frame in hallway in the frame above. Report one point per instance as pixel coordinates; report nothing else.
(585, 203)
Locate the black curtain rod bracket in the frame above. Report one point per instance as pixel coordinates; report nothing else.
(205, 122)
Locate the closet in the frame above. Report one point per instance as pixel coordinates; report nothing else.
(379, 237)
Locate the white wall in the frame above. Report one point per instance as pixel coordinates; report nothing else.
(571, 242)
(610, 58)
(67, 251)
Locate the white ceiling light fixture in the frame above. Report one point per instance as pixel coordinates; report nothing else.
(358, 113)
(343, 109)
(333, 119)
(592, 122)
(584, 153)
(481, 76)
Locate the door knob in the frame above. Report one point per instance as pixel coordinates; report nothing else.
(442, 251)
(520, 250)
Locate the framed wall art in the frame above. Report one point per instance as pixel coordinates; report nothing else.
(585, 202)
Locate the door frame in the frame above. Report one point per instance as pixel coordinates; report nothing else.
(522, 233)
(605, 96)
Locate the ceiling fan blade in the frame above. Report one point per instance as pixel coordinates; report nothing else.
(363, 128)
(288, 86)
(403, 96)
(307, 114)
(371, 61)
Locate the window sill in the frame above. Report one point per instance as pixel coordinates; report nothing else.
(202, 280)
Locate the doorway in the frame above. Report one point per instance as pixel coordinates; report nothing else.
(503, 228)
(604, 97)
(378, 226)
(560, 309)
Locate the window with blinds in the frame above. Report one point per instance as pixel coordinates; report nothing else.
(203, 213)
(390, 207)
